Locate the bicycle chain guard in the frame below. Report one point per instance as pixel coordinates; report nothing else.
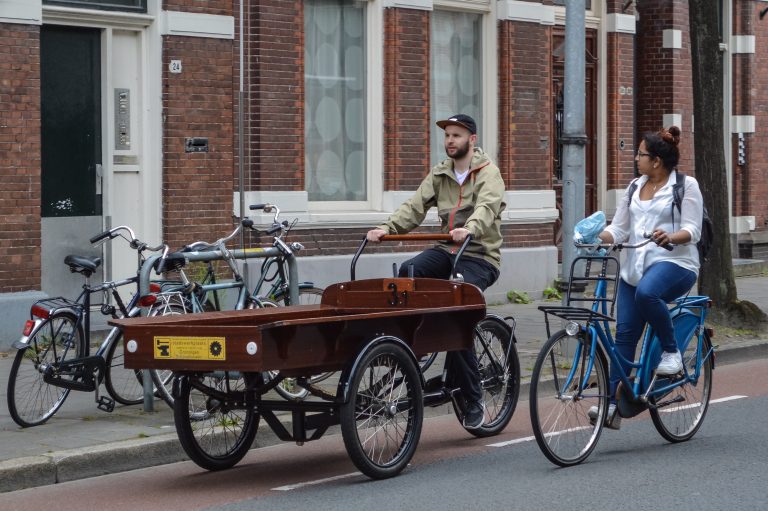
(626, 405)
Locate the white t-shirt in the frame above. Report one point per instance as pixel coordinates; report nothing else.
(631, 222)
(460, 176)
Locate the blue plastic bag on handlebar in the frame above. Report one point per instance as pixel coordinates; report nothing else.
(587, 230)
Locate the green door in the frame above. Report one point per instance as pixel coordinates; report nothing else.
(70, 91)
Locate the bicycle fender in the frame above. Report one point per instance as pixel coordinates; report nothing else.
(23, 341)
(503, 322)
(343, 388)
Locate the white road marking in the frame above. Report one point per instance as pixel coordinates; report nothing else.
(529, 438)
(290, 487)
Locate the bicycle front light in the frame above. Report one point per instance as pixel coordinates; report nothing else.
(572, 328)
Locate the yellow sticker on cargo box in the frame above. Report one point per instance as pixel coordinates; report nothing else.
(190, 348)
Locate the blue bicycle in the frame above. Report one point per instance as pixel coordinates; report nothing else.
(571, 372)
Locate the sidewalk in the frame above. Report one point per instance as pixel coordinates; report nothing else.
(81, 441)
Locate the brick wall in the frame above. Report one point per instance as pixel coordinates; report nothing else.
(20, 157)
(197, 187)
(620, 110)
(525, 105)
(218, 7)
(406, 98)
(664, 75)
(275, 77)
(750, 97)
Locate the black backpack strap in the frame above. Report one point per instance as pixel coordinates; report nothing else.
(678, 193)
(631, 190)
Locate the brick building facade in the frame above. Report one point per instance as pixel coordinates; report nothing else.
(329, 85)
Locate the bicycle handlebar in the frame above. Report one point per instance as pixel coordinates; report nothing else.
(621, 246)
(133, 241)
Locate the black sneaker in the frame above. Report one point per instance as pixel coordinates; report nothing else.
(433, 384)
(475, 416)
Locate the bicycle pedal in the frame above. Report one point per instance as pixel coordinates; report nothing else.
(105, 404)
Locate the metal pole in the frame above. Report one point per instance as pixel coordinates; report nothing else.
(241, 137)
(574, 137)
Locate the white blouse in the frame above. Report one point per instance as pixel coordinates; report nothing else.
(639, 217)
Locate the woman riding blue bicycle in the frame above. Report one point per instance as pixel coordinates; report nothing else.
(654, 274)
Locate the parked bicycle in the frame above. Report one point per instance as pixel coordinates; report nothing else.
(571, 372)
(54, 351)
(193, 297)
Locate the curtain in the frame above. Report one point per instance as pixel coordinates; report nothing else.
(334, 81)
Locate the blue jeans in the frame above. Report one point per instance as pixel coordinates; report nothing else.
(647, 303)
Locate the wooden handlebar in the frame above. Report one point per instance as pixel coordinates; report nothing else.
(416, 237)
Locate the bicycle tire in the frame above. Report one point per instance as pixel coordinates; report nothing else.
(126, 386)
(32, 401)
(381, 422)
(561, 425)
(679, 413)
(162, 380)
(289, 388)
(308, 295)
(213, 435)
(500, 391)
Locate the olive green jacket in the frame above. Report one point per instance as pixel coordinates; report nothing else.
(476, 205)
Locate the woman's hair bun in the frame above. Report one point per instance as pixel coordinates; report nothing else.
(671, 135)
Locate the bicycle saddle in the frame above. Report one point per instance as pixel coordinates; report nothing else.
(82, 264)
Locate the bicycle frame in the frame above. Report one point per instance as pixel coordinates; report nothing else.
(642, 386)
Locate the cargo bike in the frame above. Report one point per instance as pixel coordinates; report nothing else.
(375, 333)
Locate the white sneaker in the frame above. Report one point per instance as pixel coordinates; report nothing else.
(612, 421)
(671, 363)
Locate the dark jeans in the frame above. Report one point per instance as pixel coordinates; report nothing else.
(647, 303)
(437, 264)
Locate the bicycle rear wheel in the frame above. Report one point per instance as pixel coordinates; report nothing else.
(124, 385)
(678, 414)
(289, 387)
(32, 401)
(562, 391)
(163, 379)
(213, 432)
(499, 369)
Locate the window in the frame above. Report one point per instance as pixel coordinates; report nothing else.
(334, 118)
(456, 72)
(107, 5)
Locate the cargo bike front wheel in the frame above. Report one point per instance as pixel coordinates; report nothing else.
(382, 416)
(215, 416)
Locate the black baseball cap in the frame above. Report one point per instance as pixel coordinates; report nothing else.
(460, 120)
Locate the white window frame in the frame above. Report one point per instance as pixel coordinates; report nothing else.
(488, 130)
(374, 112)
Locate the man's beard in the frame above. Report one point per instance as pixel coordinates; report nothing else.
(461, 152)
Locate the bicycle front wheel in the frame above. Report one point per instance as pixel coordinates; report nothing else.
(563, 389)
(679, 413)
(32, 401)
(213, 432)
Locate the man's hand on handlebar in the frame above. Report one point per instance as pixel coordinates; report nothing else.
(459, 234)
(374, 235)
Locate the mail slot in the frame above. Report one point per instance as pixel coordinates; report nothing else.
(196, 144)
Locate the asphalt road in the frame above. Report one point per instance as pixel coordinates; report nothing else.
(722, 467)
